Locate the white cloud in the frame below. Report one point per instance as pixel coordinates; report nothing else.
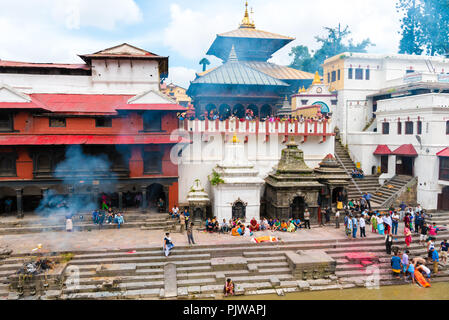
(181, 76)
(190, 33)
(103, 14)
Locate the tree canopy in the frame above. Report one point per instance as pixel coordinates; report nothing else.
(336, 41)
(424, 26)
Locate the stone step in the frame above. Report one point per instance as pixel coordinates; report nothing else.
(104, 295)
(121, 286)
(131, 259)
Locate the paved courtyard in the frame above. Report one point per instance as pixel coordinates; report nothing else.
(136, 238)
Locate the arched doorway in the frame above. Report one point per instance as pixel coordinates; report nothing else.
(239, 210)
(198, 214)
(298, 207)
(155, 193)
(239, 111)
(265, 111)
(338, 193)
(443, 199)
(211, 107)
(224, 111)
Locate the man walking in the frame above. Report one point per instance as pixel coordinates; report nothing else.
(306, 219)
(402, 206)
(367, 197)
(190, 233)
(354, 227)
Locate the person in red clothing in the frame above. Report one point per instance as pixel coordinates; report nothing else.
(254, 226)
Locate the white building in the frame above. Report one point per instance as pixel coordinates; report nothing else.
(393, 113)
(357, 76)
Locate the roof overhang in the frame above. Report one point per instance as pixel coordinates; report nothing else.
(406, 150)
(382, 150)
(443, 153)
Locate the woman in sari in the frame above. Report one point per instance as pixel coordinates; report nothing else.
(408, 236)
(380, 225)
(254, 226)
(374, 223)
(229, 288)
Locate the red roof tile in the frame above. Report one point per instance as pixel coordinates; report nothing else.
(443, 153)
(382, 150)
(9, 140)
(18, 64)
(405, 150)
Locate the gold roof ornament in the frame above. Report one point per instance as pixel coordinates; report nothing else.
(246, 22)
(317, 79)
(235, 139)
(303, 89)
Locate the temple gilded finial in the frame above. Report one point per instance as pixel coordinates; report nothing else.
(246, 22)
(317, 79)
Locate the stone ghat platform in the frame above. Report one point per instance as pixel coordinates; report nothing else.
(36, 224)
(199, 272)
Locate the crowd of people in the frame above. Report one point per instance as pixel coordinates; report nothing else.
(357, 173)
(249, 115)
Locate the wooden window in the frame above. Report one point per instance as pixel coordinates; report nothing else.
(409, 127)
(386, 128)
(103, 122)
(444, 168)
(58, 122)
(399, 128)
(350, 71)
(8, 165)
(334, 76)
(152, 121)
(6, 121)
(359, 74)
(419, 127)
(447, 127)
(367, 74)
(152, 162)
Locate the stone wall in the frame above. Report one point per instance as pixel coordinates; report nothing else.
(409, 196)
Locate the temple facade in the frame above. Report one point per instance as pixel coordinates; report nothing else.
(87, 129)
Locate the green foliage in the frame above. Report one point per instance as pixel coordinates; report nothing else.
(66, 257)
(336, 41)
(424, 26)
(215, 179)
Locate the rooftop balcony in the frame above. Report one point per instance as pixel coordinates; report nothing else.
(322, 128)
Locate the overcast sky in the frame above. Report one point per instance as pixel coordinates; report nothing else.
(58, 30)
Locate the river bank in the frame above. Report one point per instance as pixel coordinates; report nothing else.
(438, 291)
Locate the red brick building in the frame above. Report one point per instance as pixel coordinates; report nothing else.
(110, 107)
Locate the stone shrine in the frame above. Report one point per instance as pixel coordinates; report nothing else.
(293, 187)
(198, 201)
(236, 193)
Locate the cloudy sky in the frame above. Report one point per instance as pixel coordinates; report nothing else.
(58, 30)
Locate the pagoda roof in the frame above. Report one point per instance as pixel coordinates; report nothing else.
(253, 33)
(236, 72)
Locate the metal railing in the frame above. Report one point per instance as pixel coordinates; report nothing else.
(347, 172)
(394, 196)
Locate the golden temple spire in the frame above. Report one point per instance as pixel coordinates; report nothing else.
(317, 79)
(246, 22)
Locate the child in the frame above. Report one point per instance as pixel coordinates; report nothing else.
(443, 250)
(408, 236)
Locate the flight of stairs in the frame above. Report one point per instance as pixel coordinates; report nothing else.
(368, 184)
(149, 221)
(139, 273)
(390, 187)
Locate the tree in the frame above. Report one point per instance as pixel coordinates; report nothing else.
(424, 26)
(205, 63)
(333, 43)
(411, 41)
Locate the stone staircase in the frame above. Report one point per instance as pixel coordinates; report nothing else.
(261, 269)
(382, 195)
(440, 218)
(36, 224)
(356, 186)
